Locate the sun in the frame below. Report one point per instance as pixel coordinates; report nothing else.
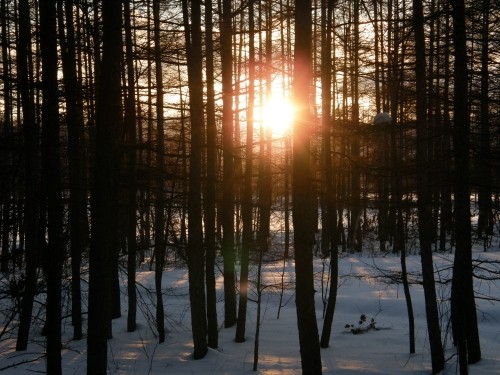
(277, 115)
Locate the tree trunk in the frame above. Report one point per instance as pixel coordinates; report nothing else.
(108, 120)
(195, 250)
(302, 194)
(130, 173)
(424, 197)
(51, 167)
(31, 174)
(463, 307)
(485, 222)
(6, 134)
(74, 120)
(210, 218)
(247, 240)
(160, 245)
(355, 230)
(330, 216)
(227, 205)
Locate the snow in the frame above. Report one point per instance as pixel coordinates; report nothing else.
(362, 290)
(382, 118)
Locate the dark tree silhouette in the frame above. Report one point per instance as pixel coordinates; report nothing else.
(53, 252)
(31, 174)
(302, 195)
(463, 306)
(108, 120)
(227, 206)
(76, 158)
(424, 196)
(195, 249)
(210, 217)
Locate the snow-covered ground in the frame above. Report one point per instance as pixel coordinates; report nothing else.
(362, 290)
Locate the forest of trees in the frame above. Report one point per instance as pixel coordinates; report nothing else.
(132, 133)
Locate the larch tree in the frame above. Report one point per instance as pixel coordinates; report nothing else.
(76, 157)
(53, 252)
(424, 195)
(463, 306)
(302, 194)
(31, 173)
(485, 220)
(6, 135)
(355, 229)
(330, 215)
(195, 248)
(108, 122)
(210, 201)
(227, 206)
(247, 205)
(159, 225)
(129, 151)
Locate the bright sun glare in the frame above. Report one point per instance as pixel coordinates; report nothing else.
(278, 115)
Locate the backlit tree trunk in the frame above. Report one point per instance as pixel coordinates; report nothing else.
(130, 142)
(53, 254)
(424, 196)
(76, 142)
(227, 206)
(195, 249)
(463, 307)
(160, 245)
(31, 174)
(247, 238)
(210, 202)
(330, 216)
(108, 120)
(302, 194)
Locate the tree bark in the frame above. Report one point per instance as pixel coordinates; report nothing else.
(160, 245)
(31, 174)
(74, 121)
(330, 216)
(108, 120)
(302, 194)
(485, 221)
(247, 206)
(424, 196)
(53, 255)
(195, 250)
(210, 213)
(130, 143)
(227, 206)
(463, 307)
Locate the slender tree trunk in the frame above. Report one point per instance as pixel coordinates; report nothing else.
(485, 223)
(265, 176)
(210, 213)
(330, 216)
(195, 250)
(51, 167)
(227, 206)
(247, 241)
(463, 307)
(6, 134)
(424, 197)
(130, 168)
(108, 120)
(302, 193)
(355, 222)
(258, 287)
(160, 245)
(74, 119)
(31, 174)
